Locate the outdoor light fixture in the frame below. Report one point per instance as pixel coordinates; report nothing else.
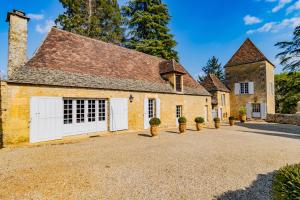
(131, 98)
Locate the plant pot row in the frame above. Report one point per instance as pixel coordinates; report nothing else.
(155, 122)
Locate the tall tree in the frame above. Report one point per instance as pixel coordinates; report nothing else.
(287, 92)
(212, 67)
(98, 19)
(290, 57)
(147, 21)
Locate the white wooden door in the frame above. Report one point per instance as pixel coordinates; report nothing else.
(206, 113)
(146, 113)
(46, 118)
(118, 114)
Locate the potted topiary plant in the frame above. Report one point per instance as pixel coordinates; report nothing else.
(199, 121)
(154, 122)
(243, 112)
(182, 124)
(231, 120)
(217, 122)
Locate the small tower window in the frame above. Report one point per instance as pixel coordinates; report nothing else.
(178, 83)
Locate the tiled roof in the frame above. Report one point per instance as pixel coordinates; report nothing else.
(171, 66)
(247, 53)
(67, 59)
(213, 83)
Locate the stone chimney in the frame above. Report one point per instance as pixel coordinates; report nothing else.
(17, 40)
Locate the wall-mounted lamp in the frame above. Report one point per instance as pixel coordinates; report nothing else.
(131, 98)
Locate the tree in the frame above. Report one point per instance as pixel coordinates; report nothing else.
(147, 21)
(212, 67)
(98, 19)
(287, 92)
(290, 57)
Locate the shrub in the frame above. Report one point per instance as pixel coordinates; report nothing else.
(243, 110)
(231, 118)
(199, 120)
(286, 183)
(155, 122)
(182, 120)
(217, 119)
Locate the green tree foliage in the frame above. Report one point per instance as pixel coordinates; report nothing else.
(147, 21)
(212, 67)
(98, 19)
(287, 92)
(290, 57)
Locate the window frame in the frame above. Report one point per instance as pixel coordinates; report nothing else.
(179, 109)
(256, 108)
(68, 111)
(244, 88)
(178, 86)
(91, 110)
(80, 111)
(102, 110)
(151, 108)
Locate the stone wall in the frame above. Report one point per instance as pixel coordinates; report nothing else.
(262, 74)
(16, 98)
(284, 118)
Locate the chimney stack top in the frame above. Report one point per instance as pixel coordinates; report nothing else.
(18, 13)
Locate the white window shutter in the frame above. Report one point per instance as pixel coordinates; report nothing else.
(251, 88)
(146, 118)
(237, 88)
(248, 110)
(158, 108)
(263, 110)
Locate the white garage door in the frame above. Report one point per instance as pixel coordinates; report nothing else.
(46, 114)
(118, 114)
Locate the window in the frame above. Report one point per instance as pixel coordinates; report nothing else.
(102, 107)
(178, 111)
(68, 112)
(91, 110)
(178, 83)
(244, 88)
(80, 111)
(256, 108)
(223, 100)
(151, 108)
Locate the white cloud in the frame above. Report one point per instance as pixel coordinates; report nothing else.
(277, 26)
(35, 16)
(46, 27)
(249, 20)
(281, 4)
(294, 7)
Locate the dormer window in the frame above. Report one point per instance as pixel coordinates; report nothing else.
(178, 83)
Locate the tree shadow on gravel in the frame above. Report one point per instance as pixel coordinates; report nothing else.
(283, 128)
(260, 189)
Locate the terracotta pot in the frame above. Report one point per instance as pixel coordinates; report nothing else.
(198, 126)
(231, 122)
(217, 125)
(182, 127)
(243, 118)
(154, 131)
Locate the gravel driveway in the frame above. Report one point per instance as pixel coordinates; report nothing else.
(229, 163)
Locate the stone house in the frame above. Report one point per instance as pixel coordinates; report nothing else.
(250, 77)
(76, 85)
(220, 96)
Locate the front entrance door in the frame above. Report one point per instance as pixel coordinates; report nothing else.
(256, 112)
(178, 114)
(118, 114)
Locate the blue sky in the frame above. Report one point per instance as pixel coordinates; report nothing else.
(201, 28)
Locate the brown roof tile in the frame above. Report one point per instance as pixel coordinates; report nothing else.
(170, 66)
(247, 53)
(70, 55)
(213, 83)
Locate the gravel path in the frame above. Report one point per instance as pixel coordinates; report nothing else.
(229, 163)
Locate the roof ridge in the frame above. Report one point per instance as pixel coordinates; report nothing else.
(108, 43)
(238, 59)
